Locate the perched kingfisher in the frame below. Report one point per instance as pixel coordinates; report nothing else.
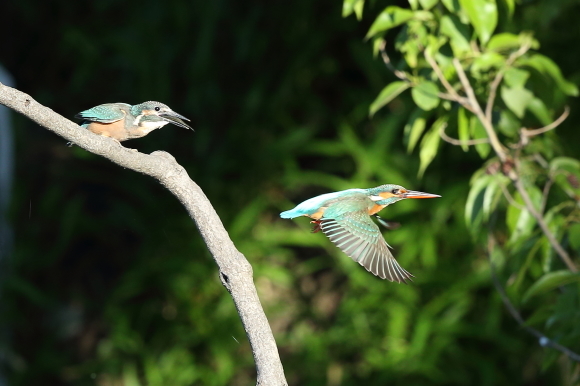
(344, 217)
(121, 121)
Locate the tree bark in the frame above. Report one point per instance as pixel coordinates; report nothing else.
(234, 269)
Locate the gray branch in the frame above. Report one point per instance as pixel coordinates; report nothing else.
(234, 270)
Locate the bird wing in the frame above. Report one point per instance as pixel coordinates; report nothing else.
(360, 238)
(107, 113)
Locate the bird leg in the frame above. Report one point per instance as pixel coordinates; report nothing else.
(387, 224)
(316, 227)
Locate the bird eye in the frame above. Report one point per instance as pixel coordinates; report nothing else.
(395, 191)
(157, 108)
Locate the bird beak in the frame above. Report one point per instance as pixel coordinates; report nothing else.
(415, 194)
(176, 119)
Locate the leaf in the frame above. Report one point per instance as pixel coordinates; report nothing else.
(515, 77)
(428, 4)
(463, 127)
(491, 196)
(389, 93)
(510, 5)
(508, 124)
(451, 5)
(478, 131)
(537, 107)
(425, 95)
(415, 127)
(429, 144)
(551, 281)
(565, 163)
(520, 222)
(348, 6)
(574, 236)
(485, 62)
(516, 99)
(547, 67)
(474, 197)
(391, 17)
(483, 17)
(457, 33)
(504, 41)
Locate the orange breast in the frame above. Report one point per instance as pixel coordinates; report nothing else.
(114, 130)
(376, 209)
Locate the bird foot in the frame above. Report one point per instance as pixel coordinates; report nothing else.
(316, 227)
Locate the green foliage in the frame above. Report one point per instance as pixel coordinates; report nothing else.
(109, 282)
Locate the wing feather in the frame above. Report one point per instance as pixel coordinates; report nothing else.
(360, 238)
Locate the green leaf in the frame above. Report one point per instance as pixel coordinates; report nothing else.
(510, 5)
(547, 67)
(348, 6)
(574, 236)
(509, 124)
(415, 127)
(537, 107)
(475, 198)
(492, 194)
(428, 4)
(391, 17)
(485, 62)
(478, 131)
(551, 281)
(425, 95)
(390, 92)
(503, 42)
(483, 17)
(520, 222)
(452, 5)
(429, 144)
(564, 163)
(515, 77)
(516, 99)
(463, 127)
(457, 33)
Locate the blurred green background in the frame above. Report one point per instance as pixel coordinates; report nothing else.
(109, 282)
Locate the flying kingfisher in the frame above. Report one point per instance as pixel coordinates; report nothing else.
(344, 217)
(122, 121)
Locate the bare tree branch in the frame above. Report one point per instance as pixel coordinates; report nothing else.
(234, 270)
(551, 126)
(451, 92)
(543, 340)
(399, 74)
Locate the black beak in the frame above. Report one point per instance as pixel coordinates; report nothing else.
(415, 194)
(176, 119)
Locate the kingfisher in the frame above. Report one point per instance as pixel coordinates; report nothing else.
(345, 218)
(122, 121)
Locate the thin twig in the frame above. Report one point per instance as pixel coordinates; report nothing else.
(499, 77)
(453, 95)
(545, 193)
(543, 340)
(458, 142)
(551, 126)
(499, 149)
(399, 74)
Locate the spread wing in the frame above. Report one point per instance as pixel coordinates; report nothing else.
(107, 113)
(360, 238)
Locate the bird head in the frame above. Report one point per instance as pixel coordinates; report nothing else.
(389, 194)
(158, 112)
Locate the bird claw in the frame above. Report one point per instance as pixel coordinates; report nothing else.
(316, 227)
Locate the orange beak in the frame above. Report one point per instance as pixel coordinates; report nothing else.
(415, 194)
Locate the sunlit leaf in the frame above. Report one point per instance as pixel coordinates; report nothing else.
(510, 5)
(415, 127)
(551, 281)
(428, 4)
(429, 144)
(516, 99)
(452, 5)
(463, 127)
(389, 93)
(516, 77)
(425, 95)
(483, 16)
(486, 62)
(504, 41)
(457, 33)
(519, 219)
(509, 124)
(474, 202)
(350, 6)
(478, 131)
(391, 17)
